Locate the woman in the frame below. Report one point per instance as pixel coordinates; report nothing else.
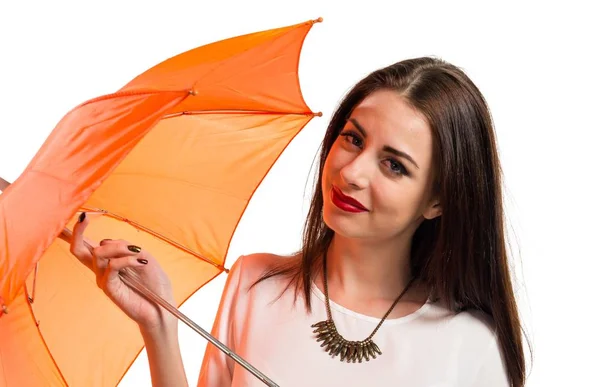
(403, 276)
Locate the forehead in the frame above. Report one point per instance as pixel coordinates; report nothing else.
(389, 119)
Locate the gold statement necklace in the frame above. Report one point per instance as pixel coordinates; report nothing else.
(336, 345)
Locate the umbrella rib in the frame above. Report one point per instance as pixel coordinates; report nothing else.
(44, 343)
(163, 238)
(32, 297)
(233, 111)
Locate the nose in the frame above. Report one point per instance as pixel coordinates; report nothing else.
(356, 173)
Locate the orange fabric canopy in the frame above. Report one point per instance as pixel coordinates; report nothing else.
(169, 162)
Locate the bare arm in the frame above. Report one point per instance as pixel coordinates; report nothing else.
(164, 356)
(157, 326)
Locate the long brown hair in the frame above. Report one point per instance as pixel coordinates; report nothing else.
(462, 254)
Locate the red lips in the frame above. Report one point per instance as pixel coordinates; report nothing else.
(345, 202)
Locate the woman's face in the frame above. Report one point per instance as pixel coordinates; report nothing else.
(378, 174)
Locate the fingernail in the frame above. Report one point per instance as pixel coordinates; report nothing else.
(82, 217)
(104, 240)
(135, 249)
(144, 261)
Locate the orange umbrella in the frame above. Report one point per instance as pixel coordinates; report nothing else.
(169, 162)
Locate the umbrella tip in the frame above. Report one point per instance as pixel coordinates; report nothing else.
(319, 114)
(3, 185)
(319, 20)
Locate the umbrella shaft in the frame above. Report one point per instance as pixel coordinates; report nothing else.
(130, 278)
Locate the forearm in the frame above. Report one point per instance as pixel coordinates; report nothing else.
(164, 357)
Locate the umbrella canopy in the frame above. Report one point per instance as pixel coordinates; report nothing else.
(169, 162)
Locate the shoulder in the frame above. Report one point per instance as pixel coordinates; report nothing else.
(486, 353)
(473, 337)
(476, 324)
(248, 269)
(470, 333)
(470, 326)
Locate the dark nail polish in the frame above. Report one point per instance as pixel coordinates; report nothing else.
(82, 217)
(135, 249)
(144, 261)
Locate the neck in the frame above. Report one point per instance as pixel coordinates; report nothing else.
(368, 270)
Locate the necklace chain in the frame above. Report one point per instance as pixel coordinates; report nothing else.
(335, 344)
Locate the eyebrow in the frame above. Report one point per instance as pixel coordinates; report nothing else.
(386, 148)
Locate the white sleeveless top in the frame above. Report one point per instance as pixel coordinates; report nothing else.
(431, 347)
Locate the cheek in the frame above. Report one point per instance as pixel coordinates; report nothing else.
(397, 202)
(334, 162)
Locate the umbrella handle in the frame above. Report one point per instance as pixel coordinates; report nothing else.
(132, 280)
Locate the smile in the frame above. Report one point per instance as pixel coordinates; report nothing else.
(346, 203)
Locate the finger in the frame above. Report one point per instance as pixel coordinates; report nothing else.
(102, 256)
(105, 241)
(114, 249)
(109, 241)
(78, 230)
(112, 241)
(100, 264)
(111, 275)
(78, 248)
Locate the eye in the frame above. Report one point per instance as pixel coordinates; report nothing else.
(397, 167)
(352, 137)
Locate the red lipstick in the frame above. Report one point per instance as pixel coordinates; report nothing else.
(345, 202)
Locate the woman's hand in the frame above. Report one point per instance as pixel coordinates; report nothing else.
(110, 256)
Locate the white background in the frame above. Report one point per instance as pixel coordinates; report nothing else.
(536, 63)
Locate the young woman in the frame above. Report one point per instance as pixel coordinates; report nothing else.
(403, 276)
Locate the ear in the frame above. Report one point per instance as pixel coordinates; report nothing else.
(433, 210)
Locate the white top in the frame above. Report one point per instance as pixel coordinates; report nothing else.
(431, 347)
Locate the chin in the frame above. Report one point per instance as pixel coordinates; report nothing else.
(346, 225)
